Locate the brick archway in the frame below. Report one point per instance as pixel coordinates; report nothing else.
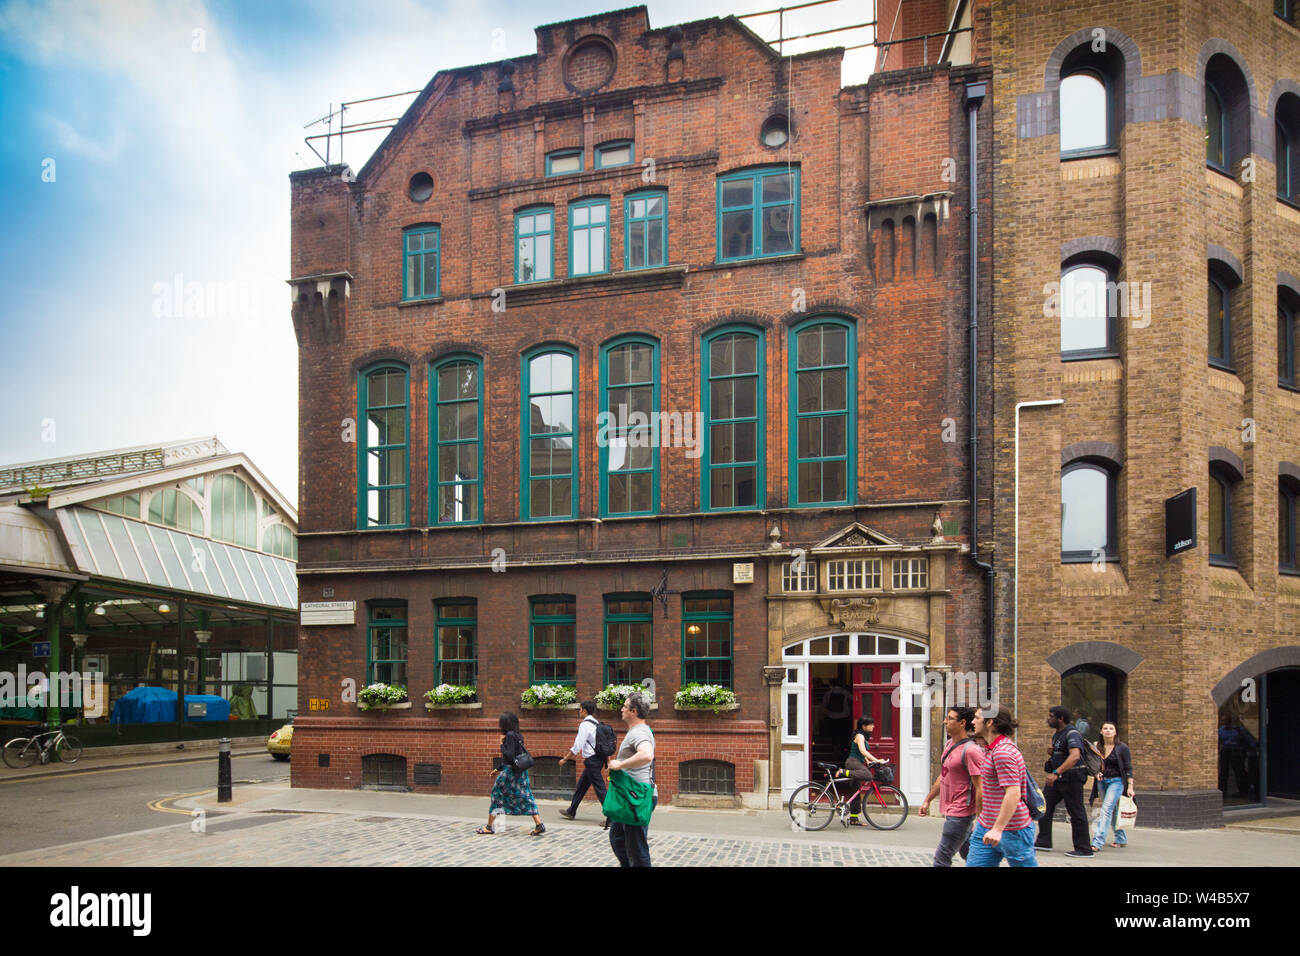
(1115, 656)
(1261, 663)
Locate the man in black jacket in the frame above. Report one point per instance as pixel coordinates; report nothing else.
(1064, 784)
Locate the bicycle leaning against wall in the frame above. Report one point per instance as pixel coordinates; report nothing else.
(24, 751)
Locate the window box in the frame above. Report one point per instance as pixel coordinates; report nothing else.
(717, 710)
(612, 697)
(477, 705)
(404, 705)
(572, 706)
(452, 695)
(549, 697)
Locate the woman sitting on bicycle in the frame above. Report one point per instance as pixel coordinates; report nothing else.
(859, 762)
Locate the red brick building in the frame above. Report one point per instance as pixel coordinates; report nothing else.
(679, 222)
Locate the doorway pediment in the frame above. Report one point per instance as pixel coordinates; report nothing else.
(855, 537)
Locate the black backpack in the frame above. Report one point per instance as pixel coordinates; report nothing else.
(606, 744)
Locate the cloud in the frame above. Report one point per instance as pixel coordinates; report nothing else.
(94, 148)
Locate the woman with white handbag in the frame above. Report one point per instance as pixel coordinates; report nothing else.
(1115, 781)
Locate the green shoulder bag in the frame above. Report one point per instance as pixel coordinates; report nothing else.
(627, 800)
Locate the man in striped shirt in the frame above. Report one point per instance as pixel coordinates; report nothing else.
(1004, 827)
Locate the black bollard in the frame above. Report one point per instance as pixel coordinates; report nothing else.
(223, 770)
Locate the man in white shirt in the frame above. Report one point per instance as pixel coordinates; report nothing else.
(584, 746)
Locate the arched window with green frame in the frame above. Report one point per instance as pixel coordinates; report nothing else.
(383, 448)
(823, 400)
(548, 470)
(628, 426)
(732, 475)
(456, 424)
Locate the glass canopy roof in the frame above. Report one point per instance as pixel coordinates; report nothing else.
(111, 546)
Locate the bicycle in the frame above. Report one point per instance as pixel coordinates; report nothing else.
(813, 805)
(23, 751)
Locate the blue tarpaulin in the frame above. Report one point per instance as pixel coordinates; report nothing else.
(157, 705)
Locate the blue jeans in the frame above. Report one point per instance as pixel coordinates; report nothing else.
(1112, 790)
(1016, 845)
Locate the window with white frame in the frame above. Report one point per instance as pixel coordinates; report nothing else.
(799, 576)
(855, 574)
(911, 573)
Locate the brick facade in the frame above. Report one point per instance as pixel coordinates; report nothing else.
(1167, 630)
(883, 202)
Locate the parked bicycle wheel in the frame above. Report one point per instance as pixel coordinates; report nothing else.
(885, 809)
(69, 749)
(18, 755)
(812, 806)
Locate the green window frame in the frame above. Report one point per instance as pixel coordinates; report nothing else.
(563, 156)
(629, 453)
(823, 396)
(1218, 131)
(589, 237)
(607, 153)
(535, 244)
(758, 214)
(455, 650)
(629, 638)
(422, 263)
(386, 643)
(383, 447)
(645, 229)
(456, 437)
(733, 476)
(553, 639)
(549, 461)
(708, 644)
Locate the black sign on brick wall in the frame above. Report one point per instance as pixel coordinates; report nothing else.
(1180, 523)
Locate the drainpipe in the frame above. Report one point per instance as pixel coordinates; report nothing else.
(1015, 587)
(971, 100)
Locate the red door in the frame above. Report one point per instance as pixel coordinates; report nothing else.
(873, 695)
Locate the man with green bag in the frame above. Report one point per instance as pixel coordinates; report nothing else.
(631, 798)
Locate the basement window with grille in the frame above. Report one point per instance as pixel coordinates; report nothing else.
(383, 772)
(551, 779)
(710, 777)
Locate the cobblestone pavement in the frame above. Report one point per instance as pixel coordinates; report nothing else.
(331, 840)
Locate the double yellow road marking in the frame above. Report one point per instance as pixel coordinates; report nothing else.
(158, 804)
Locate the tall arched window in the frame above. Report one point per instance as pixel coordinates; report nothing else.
(1288, 349)
(823, 427)
(1222, 484)
(549, 467)
(1088, 511)
(456, 419)
(1287, 148)
(734, 424)
(1288, 494)
(629, 403)
(383, 394)
(1088, 305)
(1227, 113)
(1091, 100)
(234, 511)
(1219, 323)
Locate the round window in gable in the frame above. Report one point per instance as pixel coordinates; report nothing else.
(421, 187)
(775, 132)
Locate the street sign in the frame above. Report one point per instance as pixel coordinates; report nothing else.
(40, 648)
(1180, 523)
(328, 612)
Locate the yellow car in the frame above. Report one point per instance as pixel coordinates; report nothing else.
(277, 745)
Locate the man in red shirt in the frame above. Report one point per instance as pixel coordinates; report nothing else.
(1004, 827)
(957, 786)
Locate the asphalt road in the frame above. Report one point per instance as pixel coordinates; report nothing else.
(83, 804)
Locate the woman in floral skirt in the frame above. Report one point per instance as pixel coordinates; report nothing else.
(511, 794)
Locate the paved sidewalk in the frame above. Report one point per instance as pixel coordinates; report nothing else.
(275, 825)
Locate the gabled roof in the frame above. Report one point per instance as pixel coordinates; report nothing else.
(75, 470)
